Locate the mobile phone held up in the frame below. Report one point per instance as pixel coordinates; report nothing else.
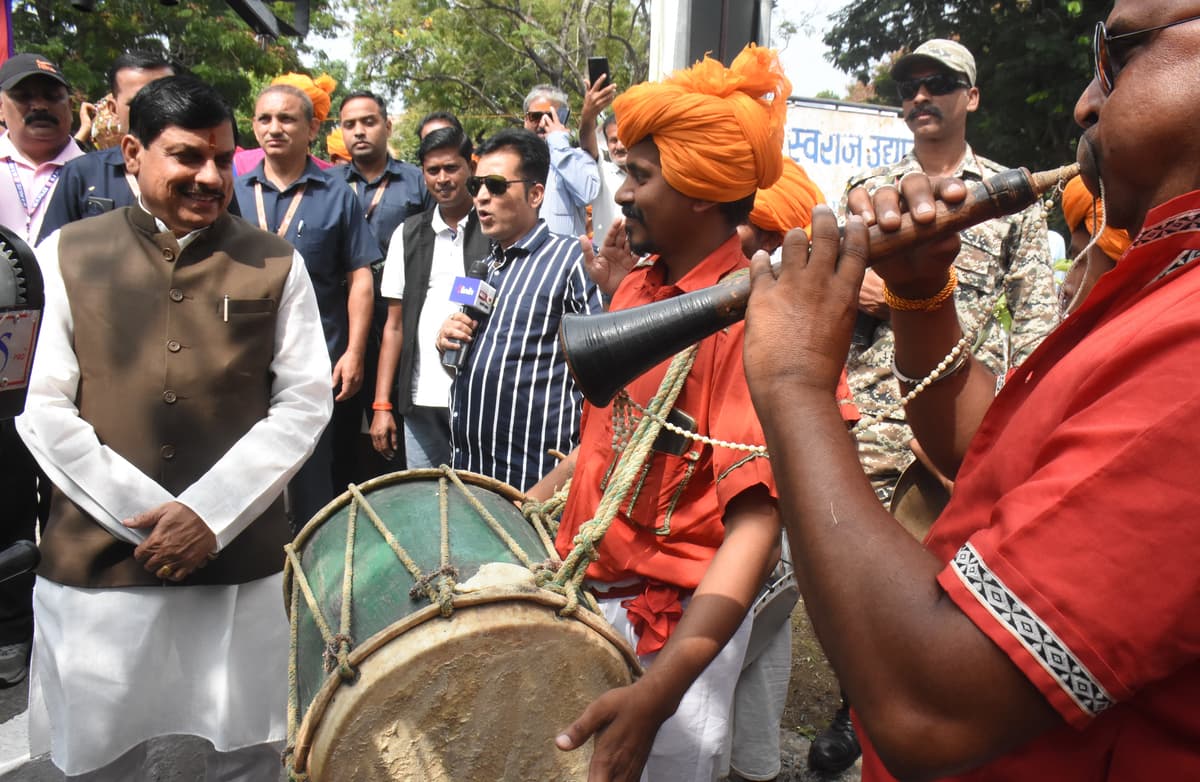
(597, 67)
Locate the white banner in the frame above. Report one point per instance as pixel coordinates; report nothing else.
(834, 140)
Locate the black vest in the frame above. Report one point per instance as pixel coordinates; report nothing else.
(418, 260)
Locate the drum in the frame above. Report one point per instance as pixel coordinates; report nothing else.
(919, 498)
(422, 648)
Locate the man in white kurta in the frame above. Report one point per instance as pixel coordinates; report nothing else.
(180, 380)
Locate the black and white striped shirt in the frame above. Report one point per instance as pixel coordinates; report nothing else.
(514, 399)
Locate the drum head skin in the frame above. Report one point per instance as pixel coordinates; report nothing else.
(478, 695)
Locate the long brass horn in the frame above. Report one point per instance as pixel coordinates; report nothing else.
(606, 351)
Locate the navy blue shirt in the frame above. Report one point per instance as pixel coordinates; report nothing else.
(404, 195)
(327, 229)
(515, 398)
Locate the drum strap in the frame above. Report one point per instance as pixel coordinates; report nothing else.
(571, 575)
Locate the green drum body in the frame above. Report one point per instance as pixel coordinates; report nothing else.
(422, 647)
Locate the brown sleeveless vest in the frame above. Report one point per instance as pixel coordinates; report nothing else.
(165, 379)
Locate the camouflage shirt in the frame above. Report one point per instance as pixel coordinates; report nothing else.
(1002, 337)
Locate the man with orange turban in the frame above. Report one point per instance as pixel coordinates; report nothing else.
(1084, 215)
(682, 537)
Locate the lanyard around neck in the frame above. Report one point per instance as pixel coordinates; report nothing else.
(384, 180)
(287, 218)
(30, 211)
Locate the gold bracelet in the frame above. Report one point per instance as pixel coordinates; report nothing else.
(922, 305)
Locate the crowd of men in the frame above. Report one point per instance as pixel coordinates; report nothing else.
(232, 335)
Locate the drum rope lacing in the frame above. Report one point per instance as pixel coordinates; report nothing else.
(570, 578)
(437, 585)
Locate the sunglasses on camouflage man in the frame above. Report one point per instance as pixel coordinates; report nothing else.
(496, 184)
(1108, 57)
(934, 84)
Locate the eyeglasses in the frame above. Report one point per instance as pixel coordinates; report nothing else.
(935, 84)
(496, 184)
(1108, 58)
(535, 117)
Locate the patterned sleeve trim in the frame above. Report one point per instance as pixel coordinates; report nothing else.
(1027, 628)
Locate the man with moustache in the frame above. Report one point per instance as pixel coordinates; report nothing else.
(36, 107)
(695, 529)
(290, 196)
(426, 254)
(97, 182)
(179, 382)
(514, 401)
(1047, 628)
(1008, 256)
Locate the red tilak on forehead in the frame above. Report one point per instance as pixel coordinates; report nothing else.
(212, 140)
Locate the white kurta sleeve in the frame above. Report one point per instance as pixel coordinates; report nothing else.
(102, 482)
(251, 474)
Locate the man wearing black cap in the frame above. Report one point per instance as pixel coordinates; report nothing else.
(36, 107)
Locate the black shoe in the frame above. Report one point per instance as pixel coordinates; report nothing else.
(836, 748)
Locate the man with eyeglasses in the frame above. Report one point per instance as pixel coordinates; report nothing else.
(1008, 256)
(1047, 628)
(514, 402)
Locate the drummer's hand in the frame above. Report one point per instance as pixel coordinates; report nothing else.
(624, 722)
(383, 434)
(178, 539)
(455, 332)
(920, 273)
(813, 300)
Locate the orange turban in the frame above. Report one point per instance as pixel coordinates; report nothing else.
(788, 203)
(1077, 204)
(336, 145)
(318, 91)
(719, 131)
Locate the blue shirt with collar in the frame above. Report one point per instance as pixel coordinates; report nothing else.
(327, 229)
(515, 399)
(92, 185)
(404, 195)
(572, 184)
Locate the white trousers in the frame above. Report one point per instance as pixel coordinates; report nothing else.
(691, 743)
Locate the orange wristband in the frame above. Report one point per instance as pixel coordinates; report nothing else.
(923, 305)
(383, 407)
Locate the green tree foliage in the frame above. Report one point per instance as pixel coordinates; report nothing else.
(204, 35)
(478, 58)
(1033, 58)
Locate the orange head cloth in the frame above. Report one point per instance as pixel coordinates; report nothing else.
(719, 131)
(318, 91)
(1077, 208)
(335, 145)
(788, 203)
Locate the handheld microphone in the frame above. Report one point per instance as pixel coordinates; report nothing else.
(476, 298)
(20, 557)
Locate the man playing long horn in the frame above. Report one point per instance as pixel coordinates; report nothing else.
(692, 526)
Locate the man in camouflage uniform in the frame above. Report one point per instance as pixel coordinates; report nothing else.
(1005, 293)
(1008, 255)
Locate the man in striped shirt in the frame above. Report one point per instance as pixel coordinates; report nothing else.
(513, 401)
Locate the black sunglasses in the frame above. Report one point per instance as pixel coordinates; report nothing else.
(1108, 58)
(496, 184)
(935, 84)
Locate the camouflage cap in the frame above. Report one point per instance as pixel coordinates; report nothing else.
(941, 52)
